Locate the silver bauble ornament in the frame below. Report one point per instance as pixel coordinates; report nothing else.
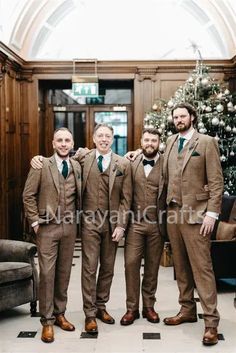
(154, 107)
(230, 107)
(215, 121)
(170, 104)
(202, 131)
(162, 147)
(222, 123)
(219, 108)
(226, 92)
(204, 81)
(234, 130)
(169, 133)
(231, 153)
(200, 125)
(223, 158)
(208, 109)
(162, 125)
(228, 128)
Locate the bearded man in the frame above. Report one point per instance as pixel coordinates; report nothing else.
(145, 234)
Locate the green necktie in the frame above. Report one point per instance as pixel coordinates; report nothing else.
(181, 144)
(64, 169)
(100, 158)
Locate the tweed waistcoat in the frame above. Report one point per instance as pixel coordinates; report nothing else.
(67, 195)
(175, 164)
(146, 192)
(96, 193)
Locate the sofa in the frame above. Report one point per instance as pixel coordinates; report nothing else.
(223, 240)
(18, 274)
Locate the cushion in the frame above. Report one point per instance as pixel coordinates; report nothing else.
(226, 231)
(232, 217)
(14, 271)
(226, 207)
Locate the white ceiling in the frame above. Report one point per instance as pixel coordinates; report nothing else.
(119, 29)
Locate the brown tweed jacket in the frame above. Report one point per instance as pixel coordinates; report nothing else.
(40, 195)
(201, 179)
(161, 199)
(120, 185)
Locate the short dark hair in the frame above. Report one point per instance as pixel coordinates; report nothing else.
(103, 125)
(151, 130)
(190, 108)
(62, 129)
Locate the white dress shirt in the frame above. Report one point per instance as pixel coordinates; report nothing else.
(148, 167)
(59, 161)
(106, 159)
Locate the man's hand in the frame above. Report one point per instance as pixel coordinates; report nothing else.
(36, 162)
(207, 225)
(117, 234)
(132, 155)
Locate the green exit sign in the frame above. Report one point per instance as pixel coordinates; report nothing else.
(83, 89)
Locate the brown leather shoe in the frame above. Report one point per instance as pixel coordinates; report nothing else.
(47, 334)
(63, 323)
(103, 315)
(129, 317)
(179, 319)
(151, 315)
(210, 336)
(91, 325)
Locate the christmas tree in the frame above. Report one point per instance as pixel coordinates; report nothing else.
(216, 108)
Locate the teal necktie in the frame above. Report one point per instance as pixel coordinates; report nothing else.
(181, 144)
(64, 169)
(100, 158)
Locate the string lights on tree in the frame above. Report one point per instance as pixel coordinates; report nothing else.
(216, 109)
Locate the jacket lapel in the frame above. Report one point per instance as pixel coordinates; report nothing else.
(54, 171)
(112, 173)
(135, 164)
(77, 173)
(89, 158)
(166, 154)
(161, 178)
(192, 145)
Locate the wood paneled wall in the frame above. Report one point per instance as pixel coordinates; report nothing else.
(22, 117)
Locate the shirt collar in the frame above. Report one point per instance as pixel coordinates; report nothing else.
(59, 160)
(188, 136)
(149, 159)
(106, 156)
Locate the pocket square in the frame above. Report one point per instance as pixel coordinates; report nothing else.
(118, 173)
(195, 153)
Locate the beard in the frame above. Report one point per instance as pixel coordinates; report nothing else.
(181, 127)
(150, 154)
